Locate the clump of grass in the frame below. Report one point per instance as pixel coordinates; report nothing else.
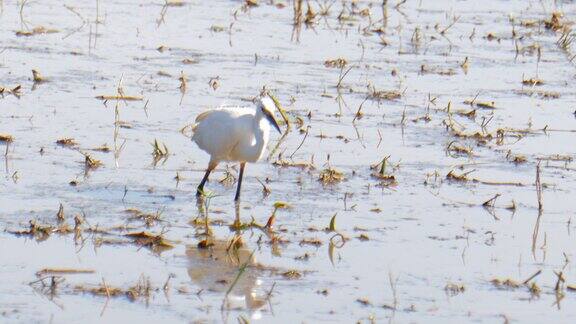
(456, 130)
(102, 148)
(516, 158)
(142, 289)
(454, 289)
(37, 77)
(6, 138)
(15, 91)
(214, 83)
(330, 176)
(539, 93)
(339, 62)
(297, 20)
(454, 149)
(332, 225)
(149, 219)
(424, 69)
(511, 284)
(67, 142)
(38, 30)
(265, 190)
(228, 179)
(175, 3)
(538, 185)
(379, 95)
(52, 271)
(465, 65)
(252, 3)
(532, 82)
(119, 97)
(272, 218)
(310, 241)
(310, 17)
(183, 82)
(364, 301)
(555, 21)
(91, 163)
(40, 232)
(154, 242)
(304, 257)
(293, 164)
(47, 286)
(566, 39)
(292, 274)
(386, 179)
(159, 150)
(60, 214)
(491, 203)
(463, 177)
(363, 237)
(217, 28)
(190, 61)
(480, 104)
(505, 283)
(102, 290)
(557, 157)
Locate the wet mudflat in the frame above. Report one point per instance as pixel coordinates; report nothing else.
(427, 174)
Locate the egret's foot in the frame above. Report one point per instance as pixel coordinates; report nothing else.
(237, 225)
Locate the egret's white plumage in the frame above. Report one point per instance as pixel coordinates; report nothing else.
(234, 134)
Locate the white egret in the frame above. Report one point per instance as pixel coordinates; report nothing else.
(234, 134)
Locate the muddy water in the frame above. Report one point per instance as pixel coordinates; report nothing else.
(420, 236)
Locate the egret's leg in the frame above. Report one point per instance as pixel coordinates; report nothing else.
(242, 165)
(237, 222)
(211, 166)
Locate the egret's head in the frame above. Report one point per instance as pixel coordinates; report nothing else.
(267, 107)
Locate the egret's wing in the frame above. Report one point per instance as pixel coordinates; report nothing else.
(203, 115)
(218, 131)
(200, 118)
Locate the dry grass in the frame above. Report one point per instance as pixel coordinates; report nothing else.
(90, 163)
(67, 141)
(336, 63)
(386, 179)
(6, 138)
(119, 97)
(330, 176)
(142, 289)
(532, 82)
(155, 242)
(159, 151)
(38, 30)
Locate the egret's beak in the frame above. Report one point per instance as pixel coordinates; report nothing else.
(272, 120)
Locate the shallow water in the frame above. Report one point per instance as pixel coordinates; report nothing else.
(424, 233)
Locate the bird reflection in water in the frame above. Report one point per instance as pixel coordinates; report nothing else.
(215, 267)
